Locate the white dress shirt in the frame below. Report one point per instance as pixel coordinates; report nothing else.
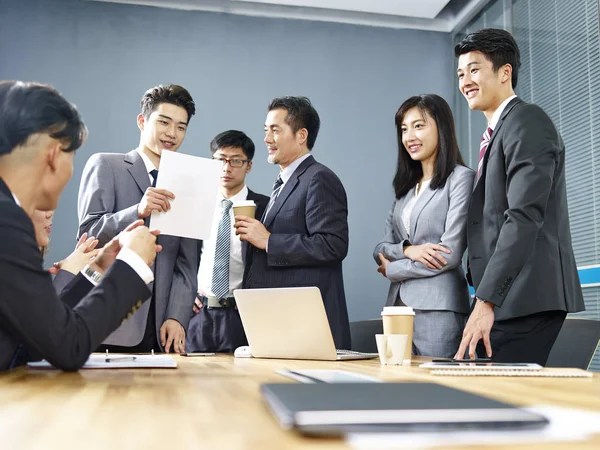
(407, 211)
(498, 112)
(207, 260)
(149, 164)
(287, 173)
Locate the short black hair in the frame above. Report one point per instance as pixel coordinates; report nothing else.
(300, 114)
(498, 46)
(28, 108)
(170, 93)
(233, 138)
(409, 171)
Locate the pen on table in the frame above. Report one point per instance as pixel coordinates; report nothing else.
(307, 377)
(118, 358)
(198, 354)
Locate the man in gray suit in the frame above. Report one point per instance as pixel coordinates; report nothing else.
(118, 189)
(518, 237)
(303, 235)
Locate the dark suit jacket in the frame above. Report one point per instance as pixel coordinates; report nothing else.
(261, 203)
(112, 186)
(518, 236)
(309, 239)
(62, 330)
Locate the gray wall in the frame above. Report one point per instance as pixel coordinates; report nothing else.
(103, 56)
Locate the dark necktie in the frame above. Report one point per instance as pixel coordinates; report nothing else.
(276, 188)
(485, 141)
(220, 279)
(154, 173)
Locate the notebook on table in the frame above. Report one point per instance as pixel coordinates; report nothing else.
(492, 369)
(334, 409)
(289, 323)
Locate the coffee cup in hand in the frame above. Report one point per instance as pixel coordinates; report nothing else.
(244, 208)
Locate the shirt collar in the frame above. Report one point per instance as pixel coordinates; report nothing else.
(498, 112)
(16, 199)
(242, 195)
(286, 173)
(149, 166)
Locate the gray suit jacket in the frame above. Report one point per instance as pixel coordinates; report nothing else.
(309, 239)
(519, 240)
(439, 217)
(112, 186)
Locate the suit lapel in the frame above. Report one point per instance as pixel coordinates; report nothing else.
(288, 188)
(137, 169)
(421, 202)
(514, 102)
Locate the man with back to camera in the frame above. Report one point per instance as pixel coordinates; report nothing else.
(216, 325)
(302, 238)
(521, 258)
(39, 133)
(116, 189)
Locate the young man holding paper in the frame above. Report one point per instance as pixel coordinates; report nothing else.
(216, 325)
(117, 189)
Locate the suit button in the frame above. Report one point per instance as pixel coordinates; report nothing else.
(129, 314)
(123, 321)
(139, 303)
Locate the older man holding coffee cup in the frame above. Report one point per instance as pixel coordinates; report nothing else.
(216, 325)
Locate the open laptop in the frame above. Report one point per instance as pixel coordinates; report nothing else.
(289, 323)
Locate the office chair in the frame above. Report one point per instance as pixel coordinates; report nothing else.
(362, 334)
(576, 344)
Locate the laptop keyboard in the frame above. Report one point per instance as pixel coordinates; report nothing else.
(353, 353)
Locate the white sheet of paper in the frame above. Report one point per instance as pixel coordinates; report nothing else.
(566, 425)
(195, 183)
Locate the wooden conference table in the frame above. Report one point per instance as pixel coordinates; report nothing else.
(215, 403)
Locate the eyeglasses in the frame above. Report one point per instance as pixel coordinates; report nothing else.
(235, 163)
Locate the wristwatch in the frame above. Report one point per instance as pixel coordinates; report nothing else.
(93, 275)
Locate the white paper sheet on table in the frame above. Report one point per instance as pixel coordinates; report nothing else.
(195, 183)
(98, 361)
(566, 425)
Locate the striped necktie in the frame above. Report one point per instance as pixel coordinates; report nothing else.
(485, 140)
(220, 279)
(276, 188)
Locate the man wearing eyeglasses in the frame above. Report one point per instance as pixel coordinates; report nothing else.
(216, 325)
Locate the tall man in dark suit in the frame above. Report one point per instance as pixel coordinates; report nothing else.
(518, 236)
(302, 238)
(216, 325)
(39, 133)
(117, 189)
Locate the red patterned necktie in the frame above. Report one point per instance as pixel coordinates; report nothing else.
(485, 140)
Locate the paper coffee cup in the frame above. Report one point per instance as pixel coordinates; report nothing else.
(244, 208)
(400, 320)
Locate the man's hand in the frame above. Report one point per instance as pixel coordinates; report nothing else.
(197, 303)
(142, 241)
(478, 327)
(427, 254)
(382, 269)
(154, 200)
(84, 252)
(109, 252)
(252, 230)
(171, 332)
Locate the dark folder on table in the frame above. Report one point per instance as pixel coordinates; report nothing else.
(333, 409)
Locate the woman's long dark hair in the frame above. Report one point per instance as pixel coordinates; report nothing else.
(409, 172)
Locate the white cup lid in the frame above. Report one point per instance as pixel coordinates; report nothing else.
(244, 203)
(397, 311)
